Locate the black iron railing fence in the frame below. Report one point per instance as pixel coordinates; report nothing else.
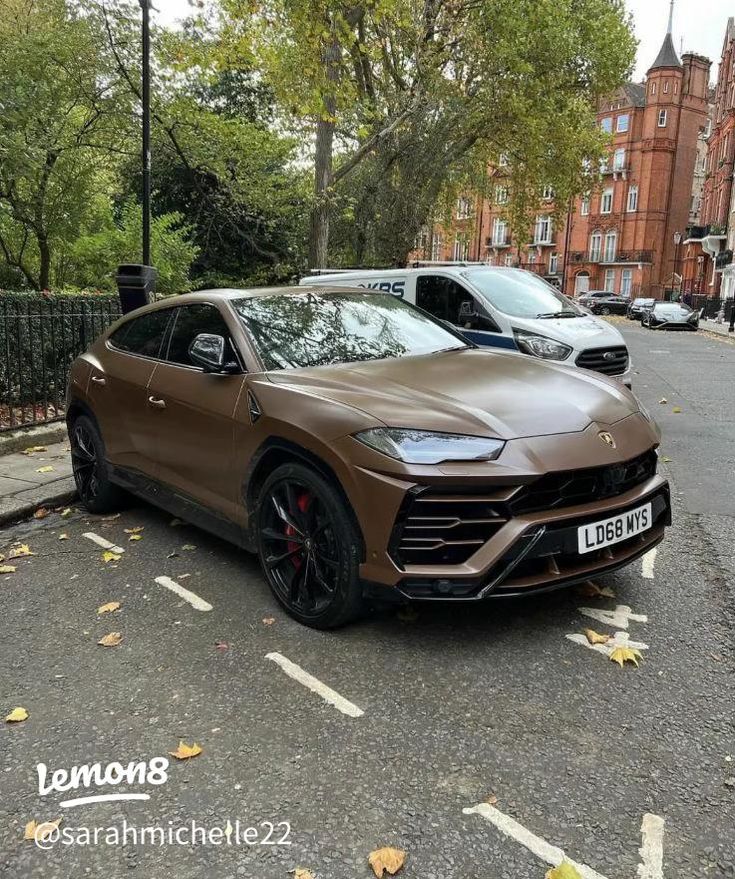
(39, 338)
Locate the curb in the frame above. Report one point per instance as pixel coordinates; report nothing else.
(61, 494)
(42, 435)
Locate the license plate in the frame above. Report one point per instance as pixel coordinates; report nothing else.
(614, 529)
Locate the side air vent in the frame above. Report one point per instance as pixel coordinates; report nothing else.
(253, 408)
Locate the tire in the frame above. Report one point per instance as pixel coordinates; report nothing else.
(604, 310)
(89, 465)
(309, 547)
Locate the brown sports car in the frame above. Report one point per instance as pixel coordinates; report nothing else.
(361, 447)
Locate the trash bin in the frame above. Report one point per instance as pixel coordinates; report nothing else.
(135, 286)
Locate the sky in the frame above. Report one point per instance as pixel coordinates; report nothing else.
(700, 24)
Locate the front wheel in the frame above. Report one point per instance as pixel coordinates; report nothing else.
(96, 491)
(604, 310)
(309, 547)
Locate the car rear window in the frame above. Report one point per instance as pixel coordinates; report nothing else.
(143, 335)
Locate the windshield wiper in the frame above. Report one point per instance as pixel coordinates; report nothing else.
(550, 314)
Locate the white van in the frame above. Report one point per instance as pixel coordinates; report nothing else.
(500, 308)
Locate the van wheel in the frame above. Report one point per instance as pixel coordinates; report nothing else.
(309, 547)
(89, 466)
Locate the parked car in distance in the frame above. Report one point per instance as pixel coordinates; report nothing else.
(586, 299)
(670, 316)
(638, 306)
(361, 447)
(611, 303)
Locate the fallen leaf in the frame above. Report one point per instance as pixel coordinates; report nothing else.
(666, 459)
(183, 576)
(492, 800)
(65, 513)
(136, 530)
(595, 637)
(663, 400)
(111, 640)
(109, 556)
(564, 871)
(135, 537)
(221, 645)
(592, 590)
(17, 715)
(621, 655)
(186, 752)
(113, 518)
(31, 450)
(172, 555)
(676, 409)
(63, 536)
(174, 523)
(41, 513)
(35, 831)
(47, 469)
(109, 607)
(20, 551)
(386, 860)
(302, 873)
(188, 547)
(268, 621)
(729, 782)
(7, 569)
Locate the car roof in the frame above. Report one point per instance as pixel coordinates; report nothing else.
(230, 293)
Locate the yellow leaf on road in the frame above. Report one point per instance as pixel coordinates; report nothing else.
(63, 536)
(135, 537)
(111, 640)
(676, 409)
(17, 715)
(663, 400)
(41, 513)
(188, 547)
(621, 655)
(136, 530)
(595, 637)
(302, 873)
(109, 607)
(35, 831)
(65, 513)
(564, 871)
(47, 469)
(7, 569)
(31, 450)
(20, 551)
(186, 752)
(386, 860)
(268, 621)
(109, 556)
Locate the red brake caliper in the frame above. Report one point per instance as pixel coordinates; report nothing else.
(302, 502)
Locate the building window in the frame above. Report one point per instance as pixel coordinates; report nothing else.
(632, 199)
(666, 86)
(542, 232)
(626, 282)
(499, 232)
(606, 202)
(464, 208)
(501, 195)
(611, 243)
(504, 161)
(609, 281)
(553, 263)
(653, 88)
(584, 207)
(676, 88)
(606, 124)
(508, 260)
(619, 160)
(708, 128)
(436, 246)
(662, 116)
(595, 246)
(461, 247)
(532, 258)
(548, 193)
(623, 123)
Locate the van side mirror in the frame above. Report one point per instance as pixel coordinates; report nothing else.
(208, 351)
(475, 321)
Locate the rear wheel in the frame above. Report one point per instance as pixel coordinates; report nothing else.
(604, 310)
(309, 547)
(96, 491)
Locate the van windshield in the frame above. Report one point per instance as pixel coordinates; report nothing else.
(518, 293)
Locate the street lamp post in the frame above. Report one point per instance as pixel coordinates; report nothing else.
(677, 245)
(146, 152)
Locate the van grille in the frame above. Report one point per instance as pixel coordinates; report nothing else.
(610, 361)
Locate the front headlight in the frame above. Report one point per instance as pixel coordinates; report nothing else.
(429, 447)
(541, 346)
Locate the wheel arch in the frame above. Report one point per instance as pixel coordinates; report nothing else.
(77, 407)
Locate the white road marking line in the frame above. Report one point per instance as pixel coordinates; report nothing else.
(543, 850)
(315, 685)
(617, 618)
(619, 639)
(647, 563)
(194, 600)
(100, 541)
(652, 849)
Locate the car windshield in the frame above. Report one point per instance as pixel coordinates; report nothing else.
(643, 301)
(521, 294)
(672, 310)
(314, 328)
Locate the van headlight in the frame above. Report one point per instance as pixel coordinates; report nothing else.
(541, 346)
(428, 446)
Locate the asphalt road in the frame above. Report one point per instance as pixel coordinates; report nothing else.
(460, 705)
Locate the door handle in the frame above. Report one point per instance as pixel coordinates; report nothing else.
(98, 380)
(154, 401)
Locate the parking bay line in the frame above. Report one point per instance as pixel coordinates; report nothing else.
(651, 851)
(194, 600)
(315, 685)
(647, 563)
(100, 541)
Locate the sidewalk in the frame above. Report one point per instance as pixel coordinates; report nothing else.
(23, 489)
(720, 329)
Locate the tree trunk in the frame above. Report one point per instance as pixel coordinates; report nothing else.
(44, 270)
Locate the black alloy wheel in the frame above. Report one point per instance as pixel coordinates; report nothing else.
(96, 492)
(605, 309)
(308, 547)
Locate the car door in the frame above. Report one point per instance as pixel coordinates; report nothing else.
(194, 414)
(117, 388)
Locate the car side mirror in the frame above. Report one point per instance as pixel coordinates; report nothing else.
(476, 321)
(208, 351)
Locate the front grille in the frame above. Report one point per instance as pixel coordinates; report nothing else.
(573, 487)
(610, 361)
(436, 528)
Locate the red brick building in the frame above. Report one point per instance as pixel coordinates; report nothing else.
(621, 236)
(706, 252)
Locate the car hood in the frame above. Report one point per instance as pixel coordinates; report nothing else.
(477, 392)
(579, 332)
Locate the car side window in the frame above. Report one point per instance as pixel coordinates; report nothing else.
(190, 321)
(143, 335)
(446, 299)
